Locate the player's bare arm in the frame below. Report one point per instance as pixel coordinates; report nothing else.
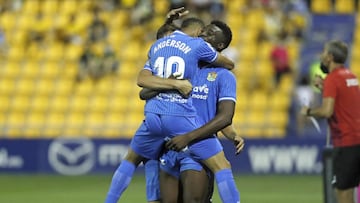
(147, 80)
(146, 93)
(223, 61)
(175, 14)
(324, 111)
(222, 119)
(230, 133)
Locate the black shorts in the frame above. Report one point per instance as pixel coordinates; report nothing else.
(346, 167)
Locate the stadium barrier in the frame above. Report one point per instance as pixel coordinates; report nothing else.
(84, 156)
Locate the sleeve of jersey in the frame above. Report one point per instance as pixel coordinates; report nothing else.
(147, 66)
(206, 52)
(227, 86)
(329, 87)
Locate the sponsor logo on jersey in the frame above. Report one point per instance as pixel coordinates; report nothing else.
(211, 76)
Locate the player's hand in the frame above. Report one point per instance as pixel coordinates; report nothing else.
(304, 110)
(318, 82)
(177, 13)
(239, 144)
(177, 143)
(184, 87)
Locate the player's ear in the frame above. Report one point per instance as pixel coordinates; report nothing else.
(220, 46)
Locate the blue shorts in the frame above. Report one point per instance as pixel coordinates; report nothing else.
(205, 148)
(174, 163)
(148, 140)
(152, 180)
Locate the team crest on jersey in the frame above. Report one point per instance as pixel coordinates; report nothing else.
(211, 76)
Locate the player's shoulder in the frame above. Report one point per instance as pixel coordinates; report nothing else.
(225, 72)
(220, 72)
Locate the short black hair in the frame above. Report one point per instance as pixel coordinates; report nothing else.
(164, 29)
(338, 49)
(187, 22)
(226, 31)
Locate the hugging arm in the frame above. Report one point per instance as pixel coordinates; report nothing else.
(222, 119)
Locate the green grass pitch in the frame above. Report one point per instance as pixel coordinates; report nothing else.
(93, 188)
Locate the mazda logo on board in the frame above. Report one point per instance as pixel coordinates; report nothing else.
(72, 156)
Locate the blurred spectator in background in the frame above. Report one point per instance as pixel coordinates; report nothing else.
(303, 94)
(142, 12)
(96, 65)
(280, 58)
(97, 29)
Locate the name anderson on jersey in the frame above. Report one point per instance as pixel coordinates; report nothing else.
(173, 43)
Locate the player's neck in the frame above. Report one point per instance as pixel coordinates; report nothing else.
(335, 66)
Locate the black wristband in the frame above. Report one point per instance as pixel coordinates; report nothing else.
(308, 111)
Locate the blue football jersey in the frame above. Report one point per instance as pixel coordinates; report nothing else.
(179, 53)
(211, 86)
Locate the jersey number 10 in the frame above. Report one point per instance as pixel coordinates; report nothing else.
(173, 64)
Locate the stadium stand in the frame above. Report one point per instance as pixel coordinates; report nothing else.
(44, 40)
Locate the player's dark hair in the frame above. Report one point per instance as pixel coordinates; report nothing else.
(164, 29)
(338, 50)
(187, 22)
(226, 31)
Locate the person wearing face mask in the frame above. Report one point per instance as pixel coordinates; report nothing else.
(341, 106)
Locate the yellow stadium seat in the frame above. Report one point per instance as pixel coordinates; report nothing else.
(4, 104)
(321, 6)
(25, 87)
(258, 101)
(73, 52)
(84, 88)
(161, 7)
(64, 87)
(49, 7)
(50, 70)
(59, 104)
(55, 121)
(10, 70)
(45, 87)
(16, 53)
(7, 86)
(68, 7)
(279, 101)
(118, 104)
(20, 103)
(248, 51)
(31, 7)
(75, 120)
(8, 21)
(286, 84)
(55, 52)
(265, 50)
(36, 120)
(128, 3)
(114, 120)
(242, 102)
(80, 104)
(345, 6)
(70, 69)
(3, 118)
(30, 70)
(40, 104)
(98, 104)
(277, 119)
(25, 22)
(254, 20)
(18, 38)
(16, 120)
